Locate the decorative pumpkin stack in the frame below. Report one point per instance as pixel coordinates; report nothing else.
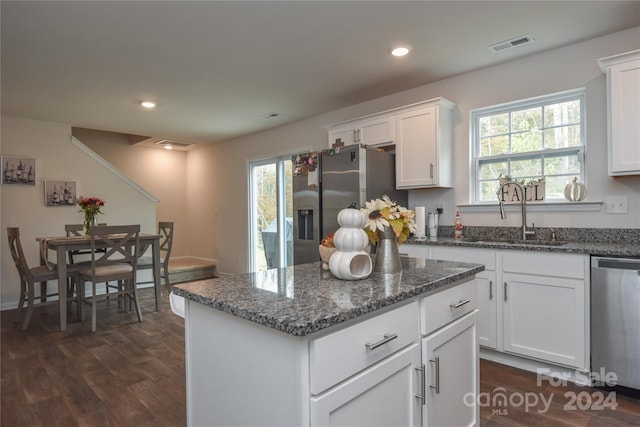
(350, 261)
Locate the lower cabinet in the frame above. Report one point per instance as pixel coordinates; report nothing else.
(530, 303)
(487, 309)
(383, 394)
(544, 318)
(377, 371)
(545, 300)
(451, 360)
(487, 287)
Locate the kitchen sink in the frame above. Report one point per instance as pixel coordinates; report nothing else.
(516, 242)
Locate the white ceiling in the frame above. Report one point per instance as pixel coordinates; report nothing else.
(216, 67)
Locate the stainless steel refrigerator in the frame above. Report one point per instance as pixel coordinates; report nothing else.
(347, 176)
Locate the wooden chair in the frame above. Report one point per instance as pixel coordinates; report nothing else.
(76, 230)
(165, 230)
(28, 277)
(118, 262)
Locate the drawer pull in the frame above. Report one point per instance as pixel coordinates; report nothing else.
(423, 381)
(459, 303)
(436, 360)
(386, 339)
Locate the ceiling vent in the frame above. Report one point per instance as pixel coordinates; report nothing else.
(510, 44)
(164, 142)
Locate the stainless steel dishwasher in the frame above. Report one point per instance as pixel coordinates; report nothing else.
(615, 319)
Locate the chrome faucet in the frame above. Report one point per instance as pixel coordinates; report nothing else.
(526, 231)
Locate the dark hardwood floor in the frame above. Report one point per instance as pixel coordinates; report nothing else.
(132, 374)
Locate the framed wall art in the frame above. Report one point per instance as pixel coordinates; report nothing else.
(60, 193)
(18, 170)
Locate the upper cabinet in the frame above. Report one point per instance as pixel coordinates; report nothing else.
(424, 146)
(422, 134)
(623, 110)
(378, 130)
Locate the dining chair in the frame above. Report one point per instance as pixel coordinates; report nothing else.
(118, 262)
(76, 230)
(28, 277)
(165, 230)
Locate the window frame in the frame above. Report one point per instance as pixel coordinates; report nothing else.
(475, 115)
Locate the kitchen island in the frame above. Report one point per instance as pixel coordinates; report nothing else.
(295, 346)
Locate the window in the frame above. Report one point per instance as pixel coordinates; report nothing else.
(271, 207)
(528, 140)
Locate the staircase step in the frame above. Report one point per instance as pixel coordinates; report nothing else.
(187, 269)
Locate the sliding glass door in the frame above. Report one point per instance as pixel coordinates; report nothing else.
(271, 210)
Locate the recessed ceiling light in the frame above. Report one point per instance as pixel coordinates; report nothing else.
(400, 50)
(148, 104)
(168, 147)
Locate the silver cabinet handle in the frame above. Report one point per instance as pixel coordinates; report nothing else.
(490, 289)
(505, 291)
(459, 303)
(436, 360)
(431, 170)
(423, 390)
(386, 339)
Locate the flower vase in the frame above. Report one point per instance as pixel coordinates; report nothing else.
(89, 220)
(387, 254)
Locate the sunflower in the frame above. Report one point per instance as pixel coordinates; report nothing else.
(384, 212)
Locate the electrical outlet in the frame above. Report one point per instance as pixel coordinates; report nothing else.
(440, 207)
(617, 204)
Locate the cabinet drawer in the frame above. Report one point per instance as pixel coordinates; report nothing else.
(440, 308)
(336, 357)
(477, 256)
(545, 264)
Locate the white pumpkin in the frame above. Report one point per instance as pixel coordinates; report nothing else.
(575, 191)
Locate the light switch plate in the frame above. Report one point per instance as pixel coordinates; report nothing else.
(617, 204)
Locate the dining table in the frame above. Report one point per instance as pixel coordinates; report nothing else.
(62, 245)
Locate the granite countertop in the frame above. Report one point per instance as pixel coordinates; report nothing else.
(627, 249)
(303, 299)
(591, 241)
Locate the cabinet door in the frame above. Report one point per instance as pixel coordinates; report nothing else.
(487, 288)
(544, 318)
(372, 131)
(451, 360)
(384, 394)
(624, 126)
(487, 309)
(346, 134)
(380, 130)
(414, 251)
(416, 148)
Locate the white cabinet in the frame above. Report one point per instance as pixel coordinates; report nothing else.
(544, 309)
(424, 146)
(337, 356)
(384, 395)
(450, 356)
(423, 138)
(623, 110)
(487, 321)
(378, 130)
(530, 304)
(415, 251)
(368, 372)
